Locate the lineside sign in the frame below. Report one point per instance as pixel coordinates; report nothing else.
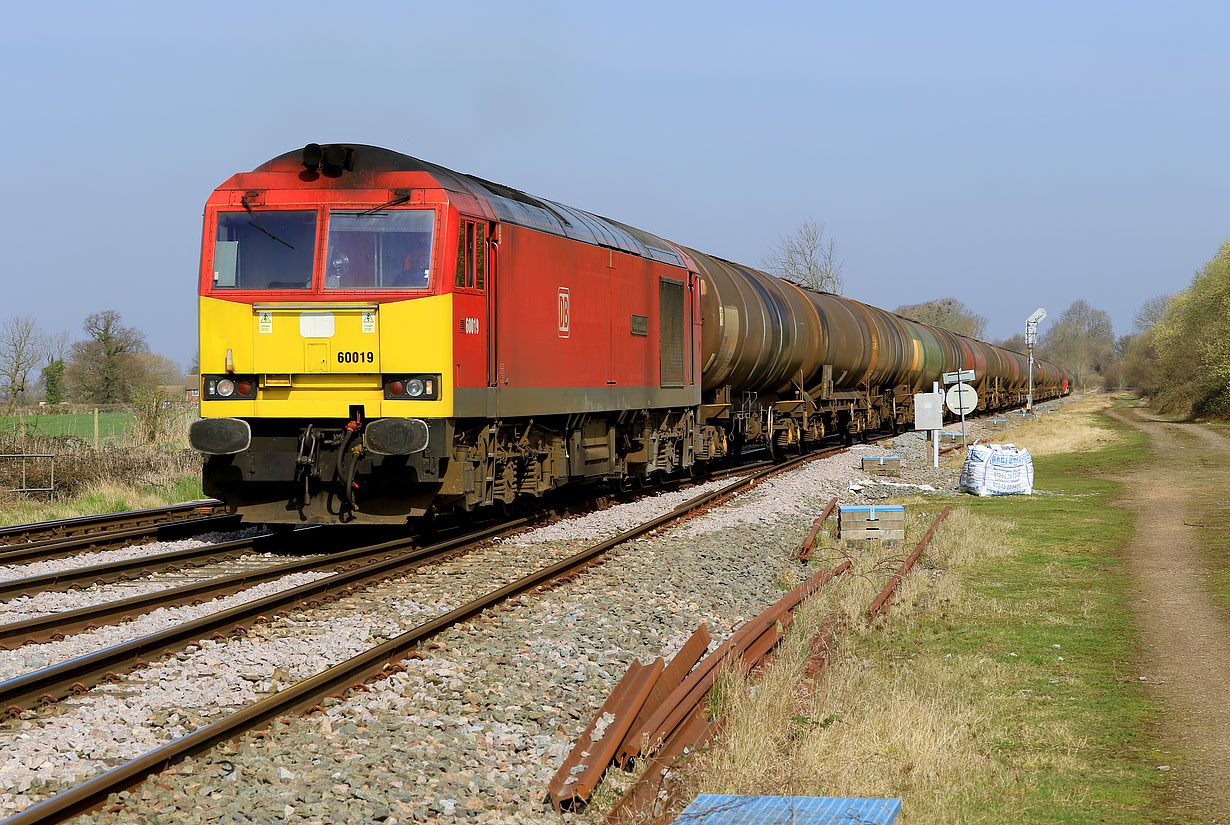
(958, 377)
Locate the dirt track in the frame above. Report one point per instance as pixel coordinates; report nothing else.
(1186, 636)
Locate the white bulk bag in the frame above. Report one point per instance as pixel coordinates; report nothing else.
(997, 470)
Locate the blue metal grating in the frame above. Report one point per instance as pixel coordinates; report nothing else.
(721, 809)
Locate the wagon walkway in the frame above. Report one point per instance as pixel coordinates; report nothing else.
(1185, 633)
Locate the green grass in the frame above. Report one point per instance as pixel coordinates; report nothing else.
(1074, 593)
(111, 425)
(1065, 586)
(106, 498)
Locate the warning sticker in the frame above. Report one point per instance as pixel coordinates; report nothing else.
(266, 322)
(369, 321)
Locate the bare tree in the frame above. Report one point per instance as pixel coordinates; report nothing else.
(806, 256)
(56, 346)
(21, 347)
(1150, 312)
(949, 313)
(1083, 340)
(1016, 343)
(102, 365)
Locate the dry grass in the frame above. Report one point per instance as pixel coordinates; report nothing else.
(97, 497)
(1078, 427)
(881, 722)
(118, 476)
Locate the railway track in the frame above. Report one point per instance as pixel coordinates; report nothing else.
(54, 683)
(66, 537)
(308, 692)
(131, 568)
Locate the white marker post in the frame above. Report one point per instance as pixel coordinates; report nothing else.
(929, 416)
(935, 434)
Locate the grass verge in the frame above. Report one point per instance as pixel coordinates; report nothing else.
(102, 497)
(1000, 689)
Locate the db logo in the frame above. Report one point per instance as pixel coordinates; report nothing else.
(565, 312)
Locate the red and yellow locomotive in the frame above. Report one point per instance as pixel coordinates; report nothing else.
(382, 337)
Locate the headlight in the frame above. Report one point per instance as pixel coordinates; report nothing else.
(229, 387)
(421, 387)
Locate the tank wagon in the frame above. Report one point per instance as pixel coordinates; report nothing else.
(382, 338)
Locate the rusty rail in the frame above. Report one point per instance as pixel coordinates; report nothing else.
(659, 709)
(58, 548)
(140, 566)
(804, 551)
(596, 746)
(682, 724)
(880, 604)
(20, 534)
(55, 626)
(655, 792)
(75, 676)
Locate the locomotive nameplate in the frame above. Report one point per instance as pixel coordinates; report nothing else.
(640, 325)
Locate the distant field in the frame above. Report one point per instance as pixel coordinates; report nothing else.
(80, 425)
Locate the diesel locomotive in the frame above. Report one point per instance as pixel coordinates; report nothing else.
(382, 338)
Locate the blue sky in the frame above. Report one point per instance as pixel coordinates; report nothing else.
(1011, 155)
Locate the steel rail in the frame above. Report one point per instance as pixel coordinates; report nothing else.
(127, 569)
(353, 672)
(55, 682)
(22, 533)
(880, 604)
(73, 545)
(56, 626)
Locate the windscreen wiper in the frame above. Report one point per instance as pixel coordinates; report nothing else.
(256, 222)
(397, 200)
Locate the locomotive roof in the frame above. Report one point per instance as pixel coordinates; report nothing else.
(509, 205)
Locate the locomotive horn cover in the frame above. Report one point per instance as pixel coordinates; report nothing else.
(395, 436)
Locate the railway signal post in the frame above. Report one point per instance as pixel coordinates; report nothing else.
(1031, 337)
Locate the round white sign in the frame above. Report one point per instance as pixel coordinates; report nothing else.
(962, 399)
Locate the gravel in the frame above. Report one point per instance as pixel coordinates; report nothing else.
(51, 601)
(40, 568)
(28, 658)
(602, 524)
(473, 730)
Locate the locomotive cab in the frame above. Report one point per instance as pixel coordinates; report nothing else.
(327, 328)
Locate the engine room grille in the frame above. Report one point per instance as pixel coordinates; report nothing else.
(671, 331)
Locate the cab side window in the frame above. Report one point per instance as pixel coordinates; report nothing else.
(471, 256)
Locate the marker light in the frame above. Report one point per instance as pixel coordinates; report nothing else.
(244, 387)
(396, 388)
